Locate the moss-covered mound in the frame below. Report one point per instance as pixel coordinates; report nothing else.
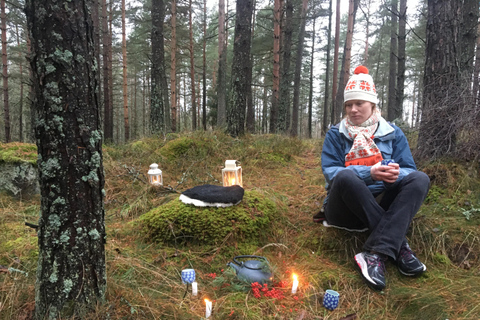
(178, 222)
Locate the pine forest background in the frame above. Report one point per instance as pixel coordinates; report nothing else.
(191, 60)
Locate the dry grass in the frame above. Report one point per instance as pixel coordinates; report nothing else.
(144, 277)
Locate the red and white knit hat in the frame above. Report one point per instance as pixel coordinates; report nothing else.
(360, 86)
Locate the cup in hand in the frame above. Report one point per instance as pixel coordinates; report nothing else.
(188, 275)
(385, 162)
(330, 299)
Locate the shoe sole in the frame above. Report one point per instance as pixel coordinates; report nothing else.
(361, 266)
(325, 224)
(414, 274)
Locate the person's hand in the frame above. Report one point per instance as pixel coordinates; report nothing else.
(387, 174)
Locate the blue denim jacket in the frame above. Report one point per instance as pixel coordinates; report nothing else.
(389, 138)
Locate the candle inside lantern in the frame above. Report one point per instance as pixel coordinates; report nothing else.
(295, 284)
(232, 174)
(194, 288)
(208, 308)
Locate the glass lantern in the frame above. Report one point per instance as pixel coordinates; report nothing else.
(155, 175)
(232, 174)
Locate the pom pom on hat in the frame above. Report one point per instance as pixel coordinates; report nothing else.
(360, 69)
(360, 86)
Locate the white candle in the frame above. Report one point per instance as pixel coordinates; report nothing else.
(194, 288)
(208, 308)
(295, 284)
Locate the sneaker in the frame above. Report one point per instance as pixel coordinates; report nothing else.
(408, 263)
(372, 269)
(320, 216)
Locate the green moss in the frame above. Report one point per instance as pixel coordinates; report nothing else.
(18, 152)
(178, 222)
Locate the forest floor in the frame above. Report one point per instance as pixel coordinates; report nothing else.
(144, 276)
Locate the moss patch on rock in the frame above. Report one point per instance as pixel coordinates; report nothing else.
(17, 152)
(177, 222)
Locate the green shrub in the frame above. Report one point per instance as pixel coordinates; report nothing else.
(179, 222)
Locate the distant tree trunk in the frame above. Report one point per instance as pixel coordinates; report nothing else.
(392, 112)
(157, 100)
(173, 66)
(283, 118)
(97, 29)
(476, 74)
(250, 106)
(71, 274)
(277, 9)
(192, 68)
(264, 108)
(6, 107)
(310, 91)
(468, 36)
(327, 72)
(442, 87)
(110, 62)
(345, 70)
(401, 58)
(125, 82)
(107, 89)
(367, 32)
(298, 70)
(204, 69)
(240, 65)
(21, 57)
(222, 68)
(335, 63)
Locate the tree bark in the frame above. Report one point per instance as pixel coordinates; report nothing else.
(173, 66)
(71, 275)
(392, 112)
(442, 88)
(204, 68)
(107, 103)
(298, 70)
(276, 65)
(157, 100)
(335, 63)
(6, 107)
(20, 120)
(222, 68)
(125, 82)
(283, 119)
(192, 69)
(310, 91)
(327, 72)
(250, 105)
(240, 65)
(401, 59)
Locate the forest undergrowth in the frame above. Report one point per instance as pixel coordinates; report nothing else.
(144, 276)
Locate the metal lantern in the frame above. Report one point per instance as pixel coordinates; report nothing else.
(155, 175)
(232, 174)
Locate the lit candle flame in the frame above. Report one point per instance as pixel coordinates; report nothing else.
(295, 284)
(295, 277)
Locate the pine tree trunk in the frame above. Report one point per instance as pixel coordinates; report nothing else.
(335, 63)
(327, 72)
(241, 63)
(6, 107)
(107, 103)
(250, 105)
(298, 70)
(283, 119)
(222, 68)
(276, 66)
(20, 103)
(192, 69)
(71, 274)
(392, 112)
(157, 100)
(204, 68)
(310, 91)
(173, 66)
(441, 87)
(401, 59)
(125, 82)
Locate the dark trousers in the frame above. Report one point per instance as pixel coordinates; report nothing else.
(351, 205)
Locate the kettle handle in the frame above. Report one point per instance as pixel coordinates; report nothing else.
(247, 256)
